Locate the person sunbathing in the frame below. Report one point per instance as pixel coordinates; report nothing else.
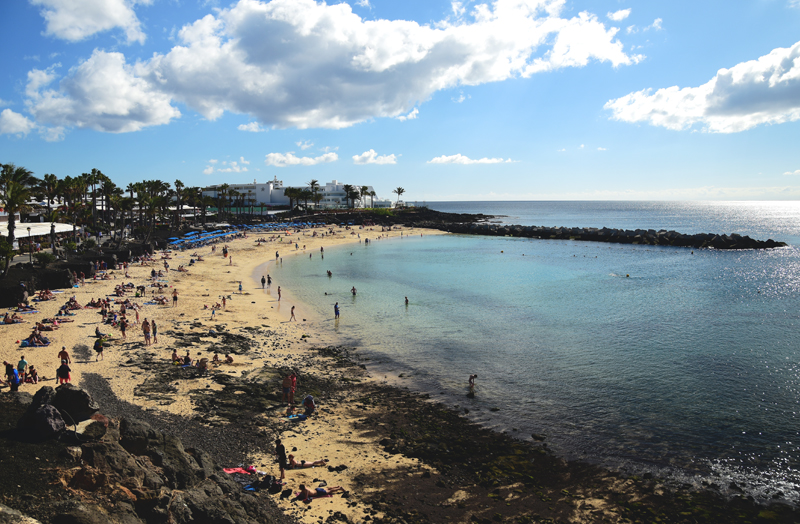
(12, 319)
(23, 307)
(42, 327)
(293, 464)
(306, 494)
(161, 300)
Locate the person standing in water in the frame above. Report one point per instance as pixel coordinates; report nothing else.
(263, 281)
(353, 291)
(336, 310)
(406, 300)
(269, 281)
(279, 293)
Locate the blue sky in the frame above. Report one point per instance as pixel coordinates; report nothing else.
(508, 100)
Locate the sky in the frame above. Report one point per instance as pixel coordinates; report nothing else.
(504, 100)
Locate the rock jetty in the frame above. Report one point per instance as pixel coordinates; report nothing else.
(649, 237)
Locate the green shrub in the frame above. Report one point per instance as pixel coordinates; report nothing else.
(90, 244)
(44, 258)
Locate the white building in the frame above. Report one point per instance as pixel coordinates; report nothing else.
(272, 194)
(267, 194)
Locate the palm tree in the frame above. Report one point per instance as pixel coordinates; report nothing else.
(314, 187)
(348, 191)
(353, 195)
(15, 191)
(399, 192)
(179, 194)
(372, 196)
(49, 189)
(292, 193)
(364, 191)
(305, 195)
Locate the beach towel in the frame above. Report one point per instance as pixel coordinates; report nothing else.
(231, 471)
(26, 344)
(28, 312)
(296, 418)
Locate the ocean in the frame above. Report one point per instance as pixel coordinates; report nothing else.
(676, 362)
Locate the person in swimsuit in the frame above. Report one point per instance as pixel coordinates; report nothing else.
(306, 494)
(174, 297)
(293, 464)
(292, 317)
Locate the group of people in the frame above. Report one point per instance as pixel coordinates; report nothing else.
(20, 374)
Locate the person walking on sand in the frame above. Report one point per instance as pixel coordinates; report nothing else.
(263, 281)
(240, 287)
(155, 331)
(174, 297)
(276, 255)
(146, 331)
(224, 302)
(63, 355)
(336, 310)
(279, 293)
(292, 317)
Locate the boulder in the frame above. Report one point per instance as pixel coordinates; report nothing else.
(74, 403)
(12, 516)
(46, 422)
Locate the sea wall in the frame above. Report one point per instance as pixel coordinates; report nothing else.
(649, 237)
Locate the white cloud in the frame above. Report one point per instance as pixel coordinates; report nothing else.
(289, 159)
(796, 172)
(656, 25)
(461, 159)
(12, 123)
(562, 150)
(303, 145)
(300, 63)
(371, 157)
(102, 93)
(252, 127)
(75, 20)
(213, 161)
(233, 167)
(243, 161)
(601, 149)
(581, 147)
(762, 91)
(460, 98)
(328, 149)
(208, 170)
(363, 3)
(52, 134)
(631, 29)
(411, 116)
(618, 16)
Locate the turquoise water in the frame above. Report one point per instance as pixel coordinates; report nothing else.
(637, 357)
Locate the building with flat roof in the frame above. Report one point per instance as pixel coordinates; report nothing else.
(272, 193)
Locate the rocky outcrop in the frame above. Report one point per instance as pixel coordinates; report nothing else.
(649, 237)
(150, 477)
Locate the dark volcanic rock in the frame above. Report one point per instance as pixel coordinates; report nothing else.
(74, 403)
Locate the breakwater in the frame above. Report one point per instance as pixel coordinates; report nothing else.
(649, 237)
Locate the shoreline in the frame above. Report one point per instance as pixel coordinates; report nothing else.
(357, 415)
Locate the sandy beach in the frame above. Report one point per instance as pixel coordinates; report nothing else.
(255, 313)
(399, 456)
